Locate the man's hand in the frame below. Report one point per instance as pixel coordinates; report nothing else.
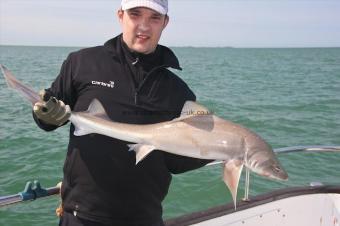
(50, 110)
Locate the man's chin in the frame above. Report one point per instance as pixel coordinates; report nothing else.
(143, 49)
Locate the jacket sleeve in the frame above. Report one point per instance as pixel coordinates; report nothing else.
(62, 89)
(179, 164)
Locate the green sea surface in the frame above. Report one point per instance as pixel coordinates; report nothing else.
(288, 96)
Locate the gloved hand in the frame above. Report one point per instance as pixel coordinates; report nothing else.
(50, 110)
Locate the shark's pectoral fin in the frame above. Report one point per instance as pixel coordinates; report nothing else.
(142, 150)
(231, 176)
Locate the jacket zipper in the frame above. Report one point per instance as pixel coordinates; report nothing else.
(136, 97)
(144, 80)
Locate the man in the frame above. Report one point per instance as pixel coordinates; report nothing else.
(129, 75)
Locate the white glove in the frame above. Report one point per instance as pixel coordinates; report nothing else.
(50, 110)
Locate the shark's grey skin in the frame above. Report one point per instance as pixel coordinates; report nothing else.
(200, 136)
(193, 134)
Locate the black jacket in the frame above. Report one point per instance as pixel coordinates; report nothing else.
(101, 181)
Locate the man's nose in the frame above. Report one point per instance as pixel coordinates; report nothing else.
(144, 24)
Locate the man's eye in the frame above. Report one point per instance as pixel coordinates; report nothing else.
(156, 18)
(134, 14)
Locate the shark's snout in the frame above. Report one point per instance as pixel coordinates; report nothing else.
(273, 170)
(277, 172)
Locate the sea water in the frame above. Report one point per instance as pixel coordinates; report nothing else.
(288, 96)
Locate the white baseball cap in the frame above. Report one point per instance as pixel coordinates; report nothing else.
(160, 6)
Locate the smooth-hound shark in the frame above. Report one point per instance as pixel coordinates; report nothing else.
(203, 136)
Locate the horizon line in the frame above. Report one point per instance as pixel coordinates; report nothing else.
(184, 46)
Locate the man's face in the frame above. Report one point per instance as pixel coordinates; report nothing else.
(142, 28)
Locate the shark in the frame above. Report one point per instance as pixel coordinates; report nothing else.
(195, 133)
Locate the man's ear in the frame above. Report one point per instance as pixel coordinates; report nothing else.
(120, 14)
(166, 21)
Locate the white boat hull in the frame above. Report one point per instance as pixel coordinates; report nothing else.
(304, 210)
(298, 207)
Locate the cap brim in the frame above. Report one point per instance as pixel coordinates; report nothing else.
(151, 5)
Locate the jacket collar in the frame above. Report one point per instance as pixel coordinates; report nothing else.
(166, 57)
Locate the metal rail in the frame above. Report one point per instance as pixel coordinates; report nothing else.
(31, 192)
(315, 148)
(34, 190)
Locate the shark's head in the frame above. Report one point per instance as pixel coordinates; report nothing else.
(271, 168)
(261, 159)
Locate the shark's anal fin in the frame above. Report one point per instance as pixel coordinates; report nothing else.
(231, 176)
(142, 150)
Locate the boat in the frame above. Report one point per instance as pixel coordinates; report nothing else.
(314, 205)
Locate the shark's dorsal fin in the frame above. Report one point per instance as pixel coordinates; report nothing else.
(191, 109)
(96, 109)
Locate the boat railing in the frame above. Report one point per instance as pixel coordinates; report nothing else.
(285, 150)
(33, 190)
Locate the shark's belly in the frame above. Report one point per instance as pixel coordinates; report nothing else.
(199, 143)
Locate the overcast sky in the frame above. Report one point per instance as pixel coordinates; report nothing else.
(235, 23)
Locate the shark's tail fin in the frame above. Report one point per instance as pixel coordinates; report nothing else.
(28, 93)
(96, 110)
